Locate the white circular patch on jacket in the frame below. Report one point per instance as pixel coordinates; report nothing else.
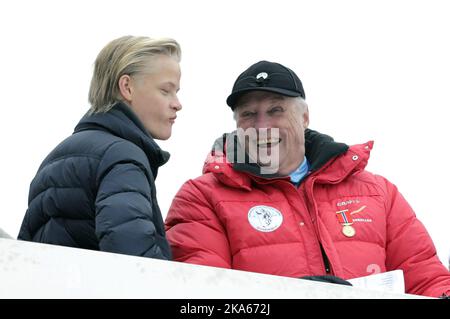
(265, 218)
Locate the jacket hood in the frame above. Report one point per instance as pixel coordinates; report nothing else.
(320, 149)
(122, 122)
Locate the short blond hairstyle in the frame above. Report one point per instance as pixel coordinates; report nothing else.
(126, 55)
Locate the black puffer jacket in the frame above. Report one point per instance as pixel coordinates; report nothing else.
(96, 189)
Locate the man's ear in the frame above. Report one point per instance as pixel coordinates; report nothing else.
(125, 87)
(305, 117)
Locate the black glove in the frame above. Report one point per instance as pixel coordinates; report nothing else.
(328, 278)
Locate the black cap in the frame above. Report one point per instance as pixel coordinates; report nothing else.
(266, 76)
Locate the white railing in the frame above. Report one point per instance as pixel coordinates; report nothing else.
(32, 270)
(4, 234)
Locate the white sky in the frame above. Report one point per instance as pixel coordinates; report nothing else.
(372, 70)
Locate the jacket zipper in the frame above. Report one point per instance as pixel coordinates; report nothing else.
(326, 261)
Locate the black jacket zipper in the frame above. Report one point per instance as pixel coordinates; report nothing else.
(326, 261)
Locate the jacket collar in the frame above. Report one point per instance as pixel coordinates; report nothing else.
(320, 148)
(122, 122)
(329, 161)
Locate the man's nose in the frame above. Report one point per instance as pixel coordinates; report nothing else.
(176, 104)
(262, 121)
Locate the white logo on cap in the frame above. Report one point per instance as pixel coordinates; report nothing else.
(262, 75)
(265, 218)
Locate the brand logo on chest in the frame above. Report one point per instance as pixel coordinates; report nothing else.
(265, 218)
(346, 219)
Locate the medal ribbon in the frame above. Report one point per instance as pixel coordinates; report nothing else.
(344, 217)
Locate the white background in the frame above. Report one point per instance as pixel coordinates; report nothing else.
(372, 70)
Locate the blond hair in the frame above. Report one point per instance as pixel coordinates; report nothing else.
(126, 55)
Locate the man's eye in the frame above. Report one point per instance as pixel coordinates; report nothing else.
(276, 109)
(164, 91)
(248, 114)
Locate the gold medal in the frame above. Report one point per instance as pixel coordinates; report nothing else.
(348, 231)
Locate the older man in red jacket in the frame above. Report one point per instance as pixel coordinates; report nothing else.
(278, 198)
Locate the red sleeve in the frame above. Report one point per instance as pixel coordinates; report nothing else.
(194, 232)
(410, 248)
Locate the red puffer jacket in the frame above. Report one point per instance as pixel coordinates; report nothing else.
(233, 219)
